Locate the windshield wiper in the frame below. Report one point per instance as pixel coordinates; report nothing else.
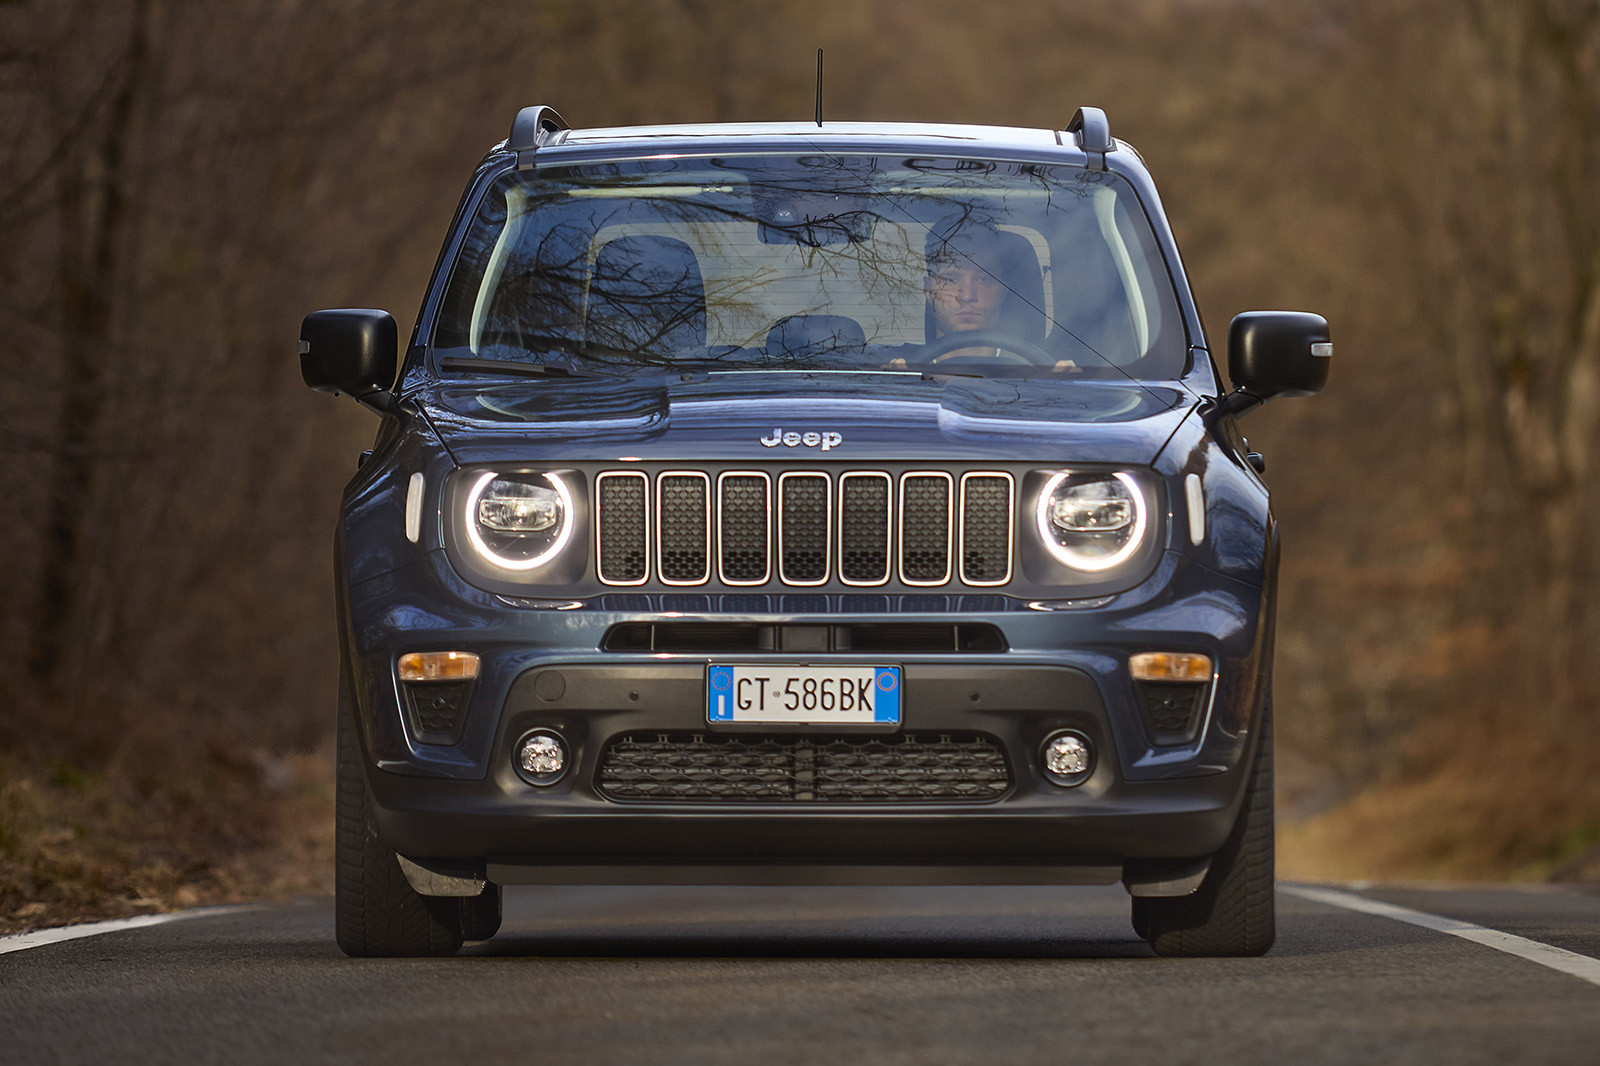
(517, 369)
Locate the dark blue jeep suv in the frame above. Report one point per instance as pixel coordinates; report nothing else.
(801, 504)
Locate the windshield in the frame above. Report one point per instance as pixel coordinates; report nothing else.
(811, 263)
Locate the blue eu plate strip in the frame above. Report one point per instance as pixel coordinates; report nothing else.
(886, 707)
(721, 682)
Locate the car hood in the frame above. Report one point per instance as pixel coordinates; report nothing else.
(806, 417)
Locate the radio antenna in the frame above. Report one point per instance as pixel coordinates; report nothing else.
(819, 87)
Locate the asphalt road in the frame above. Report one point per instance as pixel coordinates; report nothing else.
(836, 976)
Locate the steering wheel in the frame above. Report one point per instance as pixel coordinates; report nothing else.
(1007, 347)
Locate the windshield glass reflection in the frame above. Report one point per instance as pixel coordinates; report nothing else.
(811, 263)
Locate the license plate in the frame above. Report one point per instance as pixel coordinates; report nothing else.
(804, 695)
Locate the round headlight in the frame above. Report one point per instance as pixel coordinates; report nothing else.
(519, 521)
(1091, 521)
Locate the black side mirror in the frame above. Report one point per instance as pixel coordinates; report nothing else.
(351, 350)
(1276, 353)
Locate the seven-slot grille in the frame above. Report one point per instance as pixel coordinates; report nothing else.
(805, 527)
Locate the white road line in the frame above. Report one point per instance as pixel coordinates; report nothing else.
(38, 939)
(1568, 962)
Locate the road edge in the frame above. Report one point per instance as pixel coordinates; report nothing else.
(1568, 962)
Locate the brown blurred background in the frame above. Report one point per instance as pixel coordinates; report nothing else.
(181, 180)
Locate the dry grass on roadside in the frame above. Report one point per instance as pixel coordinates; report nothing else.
(1492, 804)
(78, 846)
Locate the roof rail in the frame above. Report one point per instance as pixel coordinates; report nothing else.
(1093, 132)
(531, 129)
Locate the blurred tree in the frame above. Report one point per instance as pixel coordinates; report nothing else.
(90, 178)
(1502, 202)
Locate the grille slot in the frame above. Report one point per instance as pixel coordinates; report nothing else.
(743, 538)
(735, 768)
(864, 528)
(986, 521)
(925, 528)
(804, 525)
(623, 528)
(683, 510)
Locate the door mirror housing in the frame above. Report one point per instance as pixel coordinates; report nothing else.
(1276, 353)
(350, 350)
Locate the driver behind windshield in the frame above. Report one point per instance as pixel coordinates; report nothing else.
(987, 282)
(966, 285)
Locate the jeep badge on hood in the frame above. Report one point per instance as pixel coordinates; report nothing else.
(793, 439)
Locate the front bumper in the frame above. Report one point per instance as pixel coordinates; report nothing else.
(462, 803)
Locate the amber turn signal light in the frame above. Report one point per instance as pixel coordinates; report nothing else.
(1170, 666)
(438, 666)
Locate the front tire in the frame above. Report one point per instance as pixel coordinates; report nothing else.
(1231, 913)
(376, 911)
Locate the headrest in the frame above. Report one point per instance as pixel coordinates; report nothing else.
(1022, 311)
(815, 335)
(646, 294)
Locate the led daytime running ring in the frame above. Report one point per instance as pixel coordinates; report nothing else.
(483, 549)
(1069, 558)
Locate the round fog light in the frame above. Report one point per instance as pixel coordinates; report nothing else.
(541, 757)
(1068, 758)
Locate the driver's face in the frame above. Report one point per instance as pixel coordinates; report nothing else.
(964, 295)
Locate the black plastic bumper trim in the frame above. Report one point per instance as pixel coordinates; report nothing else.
(801, 874)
